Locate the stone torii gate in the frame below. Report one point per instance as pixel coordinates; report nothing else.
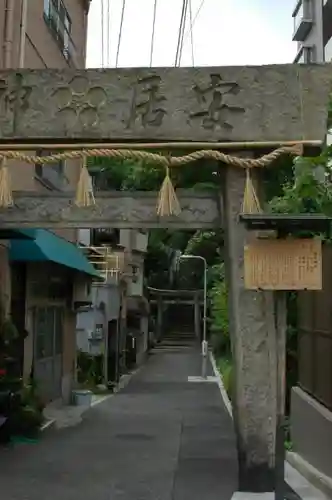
(249, 111)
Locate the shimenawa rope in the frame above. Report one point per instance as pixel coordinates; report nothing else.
(168, 204)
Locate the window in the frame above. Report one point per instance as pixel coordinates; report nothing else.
(48, 329)
(306, 55)
(135, 273)
(58, 20)
(298, 14)
(52, 174)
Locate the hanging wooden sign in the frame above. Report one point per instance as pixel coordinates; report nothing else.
(294, 264)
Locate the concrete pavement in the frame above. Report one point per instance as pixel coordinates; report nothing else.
(161, 438)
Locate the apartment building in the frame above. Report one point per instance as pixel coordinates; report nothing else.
(116, 322)
(313, 31)
(44, 276)
(311, 399)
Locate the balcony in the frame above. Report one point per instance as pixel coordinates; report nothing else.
(303, 20)
(306, 55)
(111, 264)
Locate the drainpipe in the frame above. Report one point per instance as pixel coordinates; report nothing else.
(23, 31)
(9, 34)
(85, 21)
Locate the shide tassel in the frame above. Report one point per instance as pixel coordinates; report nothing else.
(84, 192)
(250, 203)
(168, 203)
(6, 195)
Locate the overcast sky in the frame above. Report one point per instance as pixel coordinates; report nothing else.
(226, 32)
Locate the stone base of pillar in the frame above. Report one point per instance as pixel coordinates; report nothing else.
(243, 495)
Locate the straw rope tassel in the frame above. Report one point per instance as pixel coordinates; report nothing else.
(6, 195)
(168, 203)
(84, 192)
(250, 203)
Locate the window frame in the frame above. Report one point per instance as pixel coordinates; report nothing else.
(308, 53)
(58, 167)
(60, 23)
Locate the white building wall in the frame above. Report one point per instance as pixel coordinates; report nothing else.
(84, 236)
(105, 307)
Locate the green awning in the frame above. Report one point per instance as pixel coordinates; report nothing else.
(47, 246)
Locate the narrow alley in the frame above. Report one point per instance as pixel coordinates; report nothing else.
(163, 437)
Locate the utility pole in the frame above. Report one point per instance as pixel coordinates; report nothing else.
(204, 345)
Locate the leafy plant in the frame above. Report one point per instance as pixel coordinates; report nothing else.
(90, 369)
(310, 191)
(225, 367)
(219, 323)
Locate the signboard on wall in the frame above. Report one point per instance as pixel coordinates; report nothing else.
(283, 264)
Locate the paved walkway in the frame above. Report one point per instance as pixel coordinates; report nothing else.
(161, 438)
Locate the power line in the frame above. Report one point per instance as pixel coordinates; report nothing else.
(195, 19)
(153, 30)
(181, 31)
(102, 33)
(108, 32)
(191, 33)
(120, 32)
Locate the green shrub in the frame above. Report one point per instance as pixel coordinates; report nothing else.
(219, 326)
(225, 367)
(89, 368)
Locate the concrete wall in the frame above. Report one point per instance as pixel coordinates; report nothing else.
(311, 430)
(136, 242)
(89, 318)
(141, 241)
(84, 236)
(133, 239)
(142, 340)
(135, 286)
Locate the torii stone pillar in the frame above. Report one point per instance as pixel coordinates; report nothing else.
(253, 335)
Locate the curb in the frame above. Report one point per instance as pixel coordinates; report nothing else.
(100, 400)
(220, 382)
(124, 381)
(126, 378)
(48, 425)
(313, 475)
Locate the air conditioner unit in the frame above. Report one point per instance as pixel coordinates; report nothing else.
(81, 293)
(97, 333)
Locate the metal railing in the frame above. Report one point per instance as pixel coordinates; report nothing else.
(110, 263)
